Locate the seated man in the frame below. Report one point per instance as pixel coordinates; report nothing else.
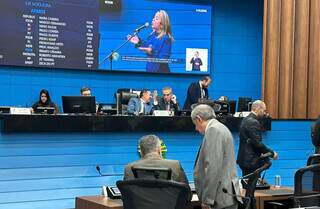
(85, 91)
(168, 101)
(151, 157)
(142, 105)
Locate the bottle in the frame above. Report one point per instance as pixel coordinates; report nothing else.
(277, 181)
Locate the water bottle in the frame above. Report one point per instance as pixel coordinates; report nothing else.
(277, 181)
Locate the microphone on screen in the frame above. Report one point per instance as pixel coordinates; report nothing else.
(142, 27)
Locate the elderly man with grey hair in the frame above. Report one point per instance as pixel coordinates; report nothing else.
(151, 157)
(215, 166)
(251, 146)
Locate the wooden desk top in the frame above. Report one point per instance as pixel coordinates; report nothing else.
(102, 202)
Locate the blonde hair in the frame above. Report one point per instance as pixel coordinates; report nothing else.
(166, 25)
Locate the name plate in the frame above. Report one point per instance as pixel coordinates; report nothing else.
(20, 111)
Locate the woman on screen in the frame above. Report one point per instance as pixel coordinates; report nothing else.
(44, 101)
(157, 46)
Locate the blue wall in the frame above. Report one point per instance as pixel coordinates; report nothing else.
(49, 170)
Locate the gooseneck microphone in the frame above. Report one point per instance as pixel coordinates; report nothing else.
(98, 169)
(141, 27)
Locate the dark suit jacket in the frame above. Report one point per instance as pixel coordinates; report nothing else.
(251, 146)
(193, 94)
(152, 160)
(162, 105)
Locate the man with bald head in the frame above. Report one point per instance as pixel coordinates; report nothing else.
(215, 166)
(251, 147)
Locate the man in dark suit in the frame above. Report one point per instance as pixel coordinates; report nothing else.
(168, 101)
(151, 157)
(251, 147)
(215, 166)
(197, 90)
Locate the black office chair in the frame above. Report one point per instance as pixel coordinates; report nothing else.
(122, 99)
(307, 186)
(154, 194)
(313, 159)
(249, 202)
(152, 173)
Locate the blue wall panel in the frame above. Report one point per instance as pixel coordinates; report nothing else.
(52, 169)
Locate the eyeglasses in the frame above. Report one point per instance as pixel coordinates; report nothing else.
(166, 94)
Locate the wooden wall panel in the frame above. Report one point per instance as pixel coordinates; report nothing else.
(291, 58)
(300, 74)
(314, 60)
(272, 54)
(286, 58)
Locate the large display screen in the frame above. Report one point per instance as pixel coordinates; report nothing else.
(138, 36)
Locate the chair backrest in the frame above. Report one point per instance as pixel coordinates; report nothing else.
(307, 183)
(122, 99)
(152, 173)
(154, 194)
(313, 159)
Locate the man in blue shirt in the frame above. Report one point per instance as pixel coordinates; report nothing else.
(141, 105)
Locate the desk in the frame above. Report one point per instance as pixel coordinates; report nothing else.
(272, 194)
(106, 123)
(262, 196)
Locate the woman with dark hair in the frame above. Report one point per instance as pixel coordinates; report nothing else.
(44, 101)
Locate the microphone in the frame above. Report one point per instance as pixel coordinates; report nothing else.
(98, 169)
(141, 27)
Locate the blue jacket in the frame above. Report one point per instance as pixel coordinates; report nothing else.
(161, 48)
(134, 106)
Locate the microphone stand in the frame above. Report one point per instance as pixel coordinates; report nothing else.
(110, 55)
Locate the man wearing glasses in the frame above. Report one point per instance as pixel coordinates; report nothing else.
(251, 147)
(168, 101)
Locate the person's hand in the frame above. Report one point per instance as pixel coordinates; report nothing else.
(147, 50)
(155, 96)
(174, 99)
(275, 156)
(205, 206)
(133, 39)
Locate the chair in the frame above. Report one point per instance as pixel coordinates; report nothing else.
(154, 194)
(307, 186)
(122, 98)
(249, 200)
(152, 173)
(313, 159)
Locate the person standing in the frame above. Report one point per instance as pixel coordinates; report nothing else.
(215, 166)
(251, 147)
(158, 44)
(197, 90)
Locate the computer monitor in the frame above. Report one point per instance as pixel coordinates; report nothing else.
(244, 104)
(152, 173)
(44, 110)
(79, 104)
